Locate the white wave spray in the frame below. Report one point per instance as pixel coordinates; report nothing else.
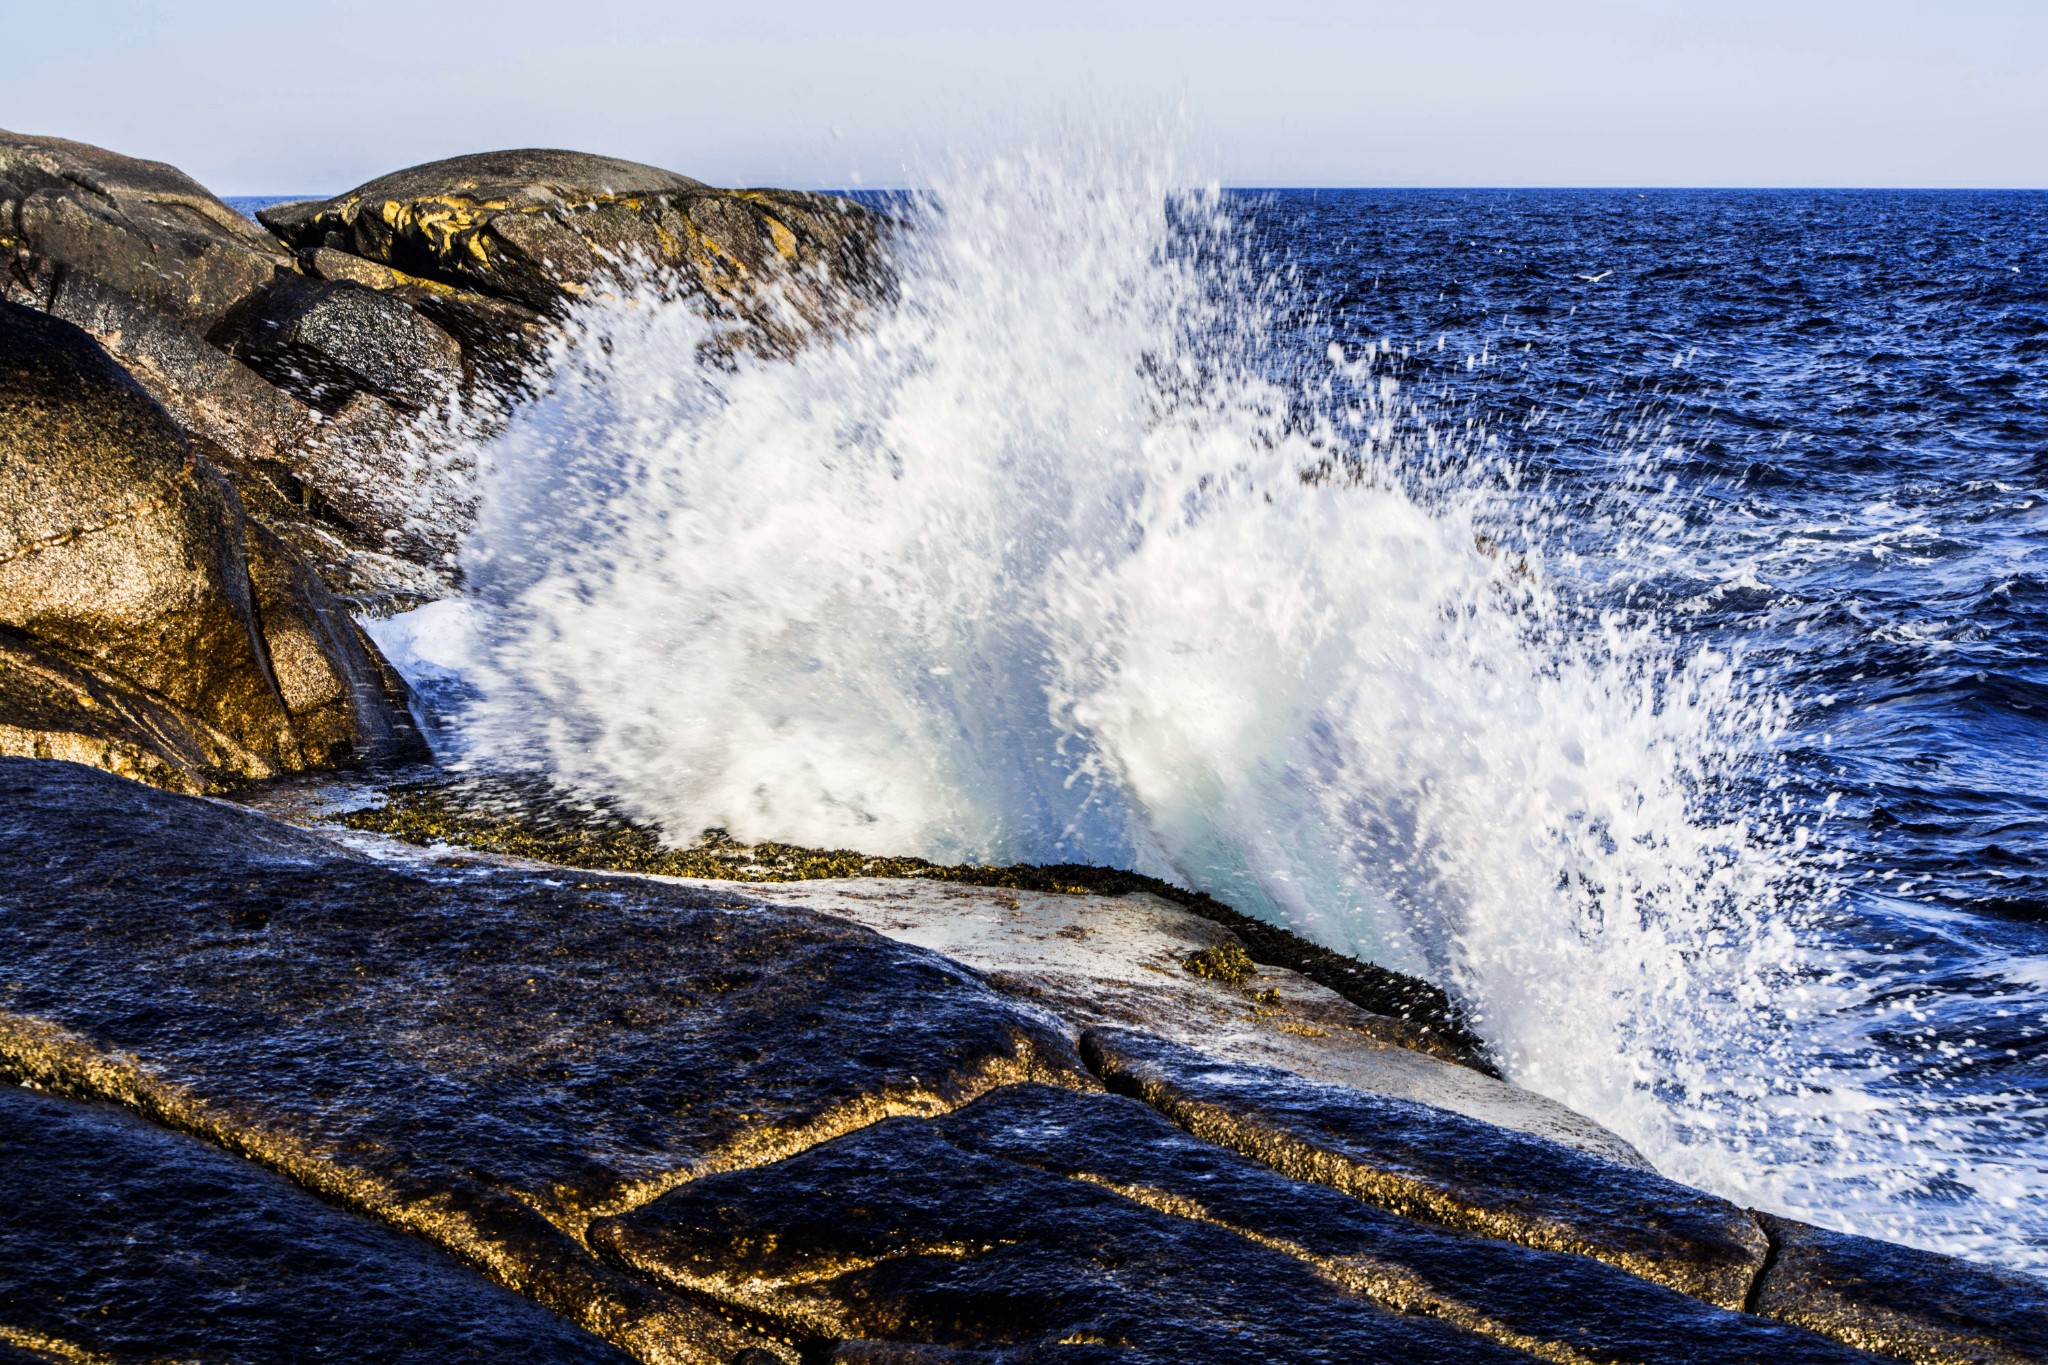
(1048, 562)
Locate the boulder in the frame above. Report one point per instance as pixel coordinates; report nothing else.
(144, 228)
(124, 1242)
(180, 289)
(540, 228)
(489, 1058)
(127, 559)
(325, 341)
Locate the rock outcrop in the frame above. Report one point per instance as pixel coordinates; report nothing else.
(179, 288)
(146, 624)
(705, 1127)
(538, 228)
(329, 370)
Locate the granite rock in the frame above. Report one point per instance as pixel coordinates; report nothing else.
(1435, 1165)
(324, 342)
(1902, 1302)
(900, 1234)
(825, 1241)
(124, 1242)
(130, 556)
(488, 1058)
(144, 228)
(540, 228)
(1121, 961)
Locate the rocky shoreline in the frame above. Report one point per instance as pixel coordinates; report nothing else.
(443, 1079)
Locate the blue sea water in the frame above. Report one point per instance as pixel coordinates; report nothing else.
(1628, 608)
(1841, 400)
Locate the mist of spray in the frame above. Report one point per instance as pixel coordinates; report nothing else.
(1052, 559)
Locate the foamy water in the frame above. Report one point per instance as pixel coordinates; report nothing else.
(1055, 560)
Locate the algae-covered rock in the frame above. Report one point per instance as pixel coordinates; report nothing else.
(124, 1242)
(1432, 1164)
(487, 1058)
(541, 227)
(130, 558)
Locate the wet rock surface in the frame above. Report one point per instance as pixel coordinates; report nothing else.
(705, 1128)
(1004, 1234)
(122, 1241)
(484, 1057)
(1137, 961)
(1914, 1305)
(173, 639)
(899, 1233)
(1432, 1164)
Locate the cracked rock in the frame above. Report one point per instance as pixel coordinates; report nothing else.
(123, 1242)
(1428, 1163)
(488, 1058)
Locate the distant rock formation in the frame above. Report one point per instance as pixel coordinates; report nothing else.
(537, 228)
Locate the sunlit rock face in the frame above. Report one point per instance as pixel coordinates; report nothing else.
(146, 624)
(335, 371)
(542, 228)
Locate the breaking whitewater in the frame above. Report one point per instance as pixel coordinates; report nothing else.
(1120, 534)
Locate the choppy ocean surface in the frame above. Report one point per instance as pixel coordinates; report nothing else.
(1627, 609)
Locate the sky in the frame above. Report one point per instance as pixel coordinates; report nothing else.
(309, 97)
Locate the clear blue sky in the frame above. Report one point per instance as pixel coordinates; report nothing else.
(291, 96)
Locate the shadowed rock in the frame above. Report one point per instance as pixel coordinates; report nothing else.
(121, 1242)
(126, 556)
(901, 1233)
(487, 1058)
(1915, 1305)
(142, 227)
(324, 342)
(1429, 1163)
(831, 1242)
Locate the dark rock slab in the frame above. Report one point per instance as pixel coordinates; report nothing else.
(488, 1058)
(126, 553)
(904, 1235)
(121, 1241)
(1428, 1163)
(1543, 1302)
(1898, 1301)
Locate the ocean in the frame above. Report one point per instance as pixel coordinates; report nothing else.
(1627, 609)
